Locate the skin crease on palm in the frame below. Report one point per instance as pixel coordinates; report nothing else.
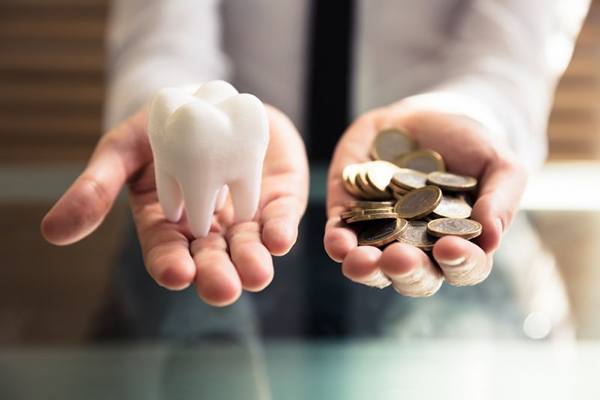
(463, 144)
(238, 257)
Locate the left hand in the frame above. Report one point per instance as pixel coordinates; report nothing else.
(463, 144)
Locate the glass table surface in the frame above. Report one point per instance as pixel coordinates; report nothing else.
(378, 369)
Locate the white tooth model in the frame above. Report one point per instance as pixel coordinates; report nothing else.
(204, 138)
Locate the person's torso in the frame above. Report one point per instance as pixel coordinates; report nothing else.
(397, 48)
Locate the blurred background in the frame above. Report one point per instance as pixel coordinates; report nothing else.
(51, 99)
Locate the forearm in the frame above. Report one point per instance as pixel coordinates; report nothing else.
(504, 66)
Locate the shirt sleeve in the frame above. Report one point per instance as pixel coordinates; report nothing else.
(155, 43)
(504, 62)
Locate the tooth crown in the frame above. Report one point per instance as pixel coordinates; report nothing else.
(203, 138)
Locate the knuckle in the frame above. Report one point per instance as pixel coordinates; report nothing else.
(95, 191)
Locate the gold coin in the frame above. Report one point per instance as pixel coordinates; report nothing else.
(422, 160)
(409, 179)
(418, 203)
(453, 207)
(398, 196)
(371, 217)
(369, 192)
(452, 182)
(416, 235)
(370, 211)
(398, 192)
(362, 204)
(349, 179)
(378, 210)
(391, 144)
(379, 174)
(363, 186)
(382, 232)
(464, 228)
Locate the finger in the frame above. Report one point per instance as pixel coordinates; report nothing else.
(462, 262)
(411, 271)
(339, 240)
(85, 204)
(250, 257)
(164, 246)
(284, 193)
(217, 280)
(280, 219)
(351, 149)
(361, 266)
(503, 184)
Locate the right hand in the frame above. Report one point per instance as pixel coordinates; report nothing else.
(233, 256)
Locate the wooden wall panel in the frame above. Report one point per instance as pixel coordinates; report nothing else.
(51, 79)
(574, 129)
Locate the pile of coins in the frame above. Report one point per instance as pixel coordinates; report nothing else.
(406, 195)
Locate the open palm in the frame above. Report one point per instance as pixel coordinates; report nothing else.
(466, 150)
(233, 256)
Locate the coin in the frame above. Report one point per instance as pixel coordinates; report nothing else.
(422, 160)
(464, 228)
(379, 174)
(409, 179)
(452, 182)
(371, 217)
(363, 185)
(370, 204)
(453, 207)
(416, 235)
(418, 203)
(398, 191)
(390, 144)
(370, 211)
(397, 195)
(382, 232)
(349, 179)
(378, 210)
(369, 191)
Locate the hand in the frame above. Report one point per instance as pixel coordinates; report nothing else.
(466, 150)
(232, 256)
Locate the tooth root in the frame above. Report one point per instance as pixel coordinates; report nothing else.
(221, 198)
(169, 195)
(245, 196)
(199, 204)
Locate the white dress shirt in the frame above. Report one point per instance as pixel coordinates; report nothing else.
(496, 61)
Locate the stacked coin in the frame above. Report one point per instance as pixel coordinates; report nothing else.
(406, 195)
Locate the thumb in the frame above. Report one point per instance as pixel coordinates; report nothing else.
(118, 155)
(503, 184)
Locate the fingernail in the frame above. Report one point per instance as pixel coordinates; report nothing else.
(500, 225)
(285, 230)
(455, 262)
(378, 280)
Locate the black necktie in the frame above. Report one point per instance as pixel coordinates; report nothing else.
(329, 75)
(327, 117)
